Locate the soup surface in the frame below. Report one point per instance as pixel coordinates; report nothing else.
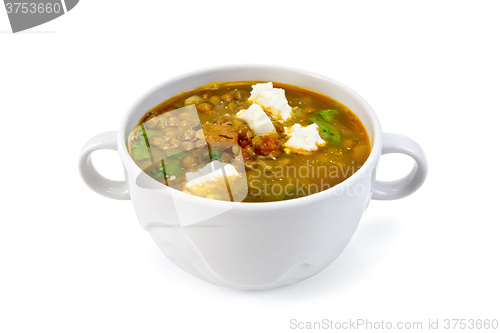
(249, 141)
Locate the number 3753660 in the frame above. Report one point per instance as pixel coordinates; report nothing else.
(475, 324)
(32, 8)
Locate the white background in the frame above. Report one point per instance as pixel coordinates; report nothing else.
(73, 261)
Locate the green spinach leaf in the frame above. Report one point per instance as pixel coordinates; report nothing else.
(332, 135)
(328, 115)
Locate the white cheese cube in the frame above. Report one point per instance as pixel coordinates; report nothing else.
(303, 138)
(257, 120)
(271, 99)
(212, 172)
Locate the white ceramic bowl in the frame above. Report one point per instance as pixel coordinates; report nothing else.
(253, 245)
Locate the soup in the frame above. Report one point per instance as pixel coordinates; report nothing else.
(249, 141)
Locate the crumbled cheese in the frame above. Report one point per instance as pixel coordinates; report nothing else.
(273, 100)
(212, 172)
(303, 138)
(257, 119)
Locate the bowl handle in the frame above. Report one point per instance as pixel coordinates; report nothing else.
(403, 187)
(102, 185)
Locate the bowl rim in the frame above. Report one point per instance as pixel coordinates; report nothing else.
(272, 205)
